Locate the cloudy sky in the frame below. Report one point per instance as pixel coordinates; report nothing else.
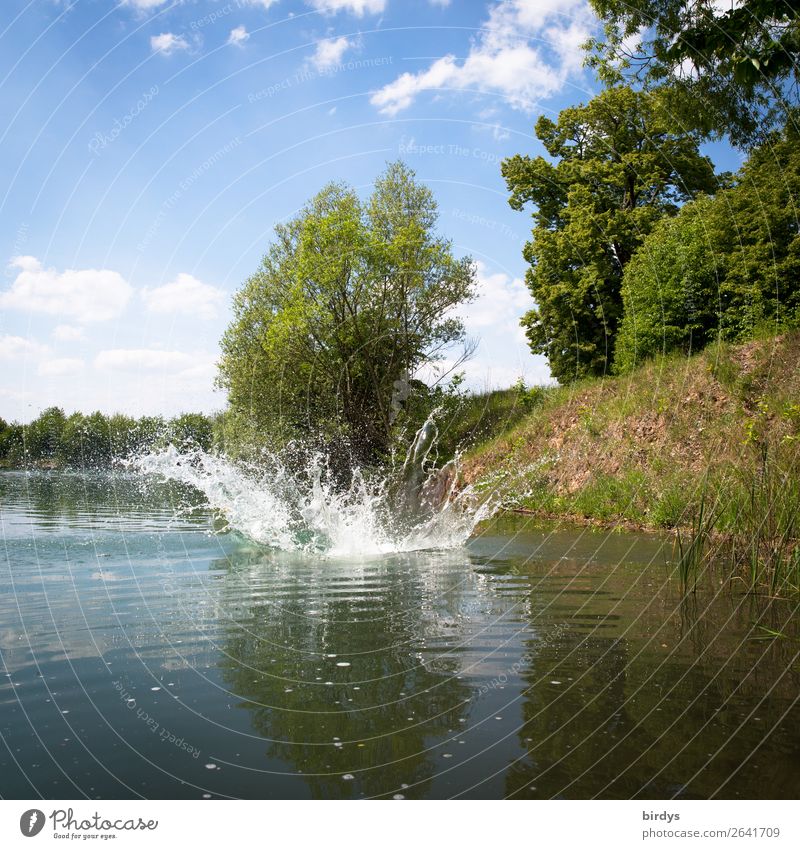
(150, 146)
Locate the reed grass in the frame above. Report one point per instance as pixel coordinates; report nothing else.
(692, 549)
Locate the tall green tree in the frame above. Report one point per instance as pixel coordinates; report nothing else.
(617, 165)
(191, 430)
(723, 267)
(350, 300)
(87, 440)
(729, 68)
(43, 434)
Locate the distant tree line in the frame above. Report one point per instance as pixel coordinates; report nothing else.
(54, 439)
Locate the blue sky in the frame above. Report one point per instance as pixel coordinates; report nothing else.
(150, 147)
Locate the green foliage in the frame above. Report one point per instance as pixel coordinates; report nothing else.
(691, 548)
(97, 440)
(12, 443)
(609, 497)
(621, 164)
(191, 430)
(529, 397)
(470, 418)
(350, 300)
(723, 267)
(42, 436)
(729, 71)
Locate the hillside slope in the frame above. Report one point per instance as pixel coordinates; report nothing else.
(641, 448)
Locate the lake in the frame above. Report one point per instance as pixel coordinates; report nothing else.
(145, 655)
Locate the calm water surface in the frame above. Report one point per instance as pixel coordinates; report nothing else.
(143, 655)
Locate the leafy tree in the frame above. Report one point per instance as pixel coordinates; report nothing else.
(670, 288)
(121, 434)
(149, 433)
(724, 266)
(12, 443)
(620, 165)
(71, 448)
(43, 434)
(728, 70)
(191, 430)
(87, 440)
(351, 298)
(4, 430)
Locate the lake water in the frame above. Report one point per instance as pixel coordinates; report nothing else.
(143, 655)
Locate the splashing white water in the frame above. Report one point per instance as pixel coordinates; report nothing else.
(305, 512)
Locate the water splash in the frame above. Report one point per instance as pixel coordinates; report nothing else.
(305, 511)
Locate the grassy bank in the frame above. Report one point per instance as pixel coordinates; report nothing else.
(709, 444)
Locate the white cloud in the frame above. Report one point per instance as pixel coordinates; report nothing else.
(238, 36)
(356, 7)
(185, 295)
(144, 359)
(500, 302)
(330, 52)
(85, 295)
(168, 42)
(145, 5)
(439, 2)
(18, 348)
(147, 373)
(330, 7)
(68, 333)
(60, 367)
(492, 319)
(526, 51)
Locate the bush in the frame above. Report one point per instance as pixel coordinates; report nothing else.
(724, 267)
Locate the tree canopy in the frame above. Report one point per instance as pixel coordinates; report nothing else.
(729, 68)
(350, 300)
(619, 164)
(723, 267)
(96, 440)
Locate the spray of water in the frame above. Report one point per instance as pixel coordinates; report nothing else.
(305, 511)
